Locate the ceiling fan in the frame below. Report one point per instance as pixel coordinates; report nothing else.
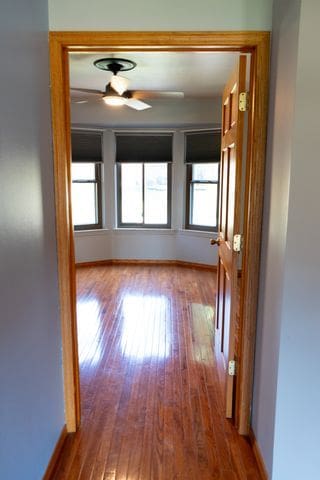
(116, 92)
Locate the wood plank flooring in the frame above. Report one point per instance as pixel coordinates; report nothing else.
(151, 384)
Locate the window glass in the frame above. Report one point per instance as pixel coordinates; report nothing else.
(205, 171)
(156, 193)
(131, 193)
(143, 195)
(83, 171)
(86, 190)
(204, 204)
(84, 203)
(202, 196)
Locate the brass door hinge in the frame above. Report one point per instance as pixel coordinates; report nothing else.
(232, 367)
(244, 101)
(237, 243)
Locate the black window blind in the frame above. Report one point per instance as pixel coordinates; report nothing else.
(203, 147)
(86, 146)
(135, 148)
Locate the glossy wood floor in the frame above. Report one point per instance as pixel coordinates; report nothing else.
(152, 389)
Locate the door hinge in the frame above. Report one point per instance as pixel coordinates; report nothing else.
(232, 368)
(237, 243)
(243, 101)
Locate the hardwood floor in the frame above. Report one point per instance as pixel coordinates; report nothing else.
(152, 387)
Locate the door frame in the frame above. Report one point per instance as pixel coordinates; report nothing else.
(256, 43)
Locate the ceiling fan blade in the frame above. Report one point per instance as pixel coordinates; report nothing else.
(156, 94)
(137, 104)
(79, 101)
(87, 90)
(82, 98)
(119, 84)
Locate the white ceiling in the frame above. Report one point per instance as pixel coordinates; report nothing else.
(200, 75)
(197, 74)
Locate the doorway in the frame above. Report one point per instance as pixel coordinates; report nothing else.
(254, 43)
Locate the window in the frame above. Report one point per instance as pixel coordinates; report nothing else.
(86, 179)
(144, 180)
(202, 196)
(202, 157)
(144, 194)
(86, 196)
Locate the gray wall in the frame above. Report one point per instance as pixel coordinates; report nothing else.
(31, 401)
(287, 381)
(164, 114)
(296, 447)
(279, 152)
(160, 15)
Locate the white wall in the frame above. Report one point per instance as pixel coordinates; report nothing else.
(287, 380)
(296, 447)
(160, 15)
(279, 152)
(188, 246)
(163, 244)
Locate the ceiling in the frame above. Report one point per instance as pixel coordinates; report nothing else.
(197, 74)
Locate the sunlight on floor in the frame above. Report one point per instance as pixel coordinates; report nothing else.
(145, 326)
(89, 331)
(202, 332)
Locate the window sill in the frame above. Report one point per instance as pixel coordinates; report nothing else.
(196, 233)
(148, 231)
(124, 231)
(94, 232)
(144, 231)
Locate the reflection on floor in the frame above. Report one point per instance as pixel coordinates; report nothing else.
(152, 396)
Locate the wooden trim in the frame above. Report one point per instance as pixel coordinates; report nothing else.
(255, 168)
(256, 43)
(240, 41)
(52, 465)
(96, 263)
(65, 244)
(203, 266)
(258, 455)
(129, 261)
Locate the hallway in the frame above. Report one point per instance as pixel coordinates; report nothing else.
(151, 386)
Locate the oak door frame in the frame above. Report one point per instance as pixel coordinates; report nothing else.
(255, 43)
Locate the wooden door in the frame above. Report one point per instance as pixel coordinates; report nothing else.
(227, 320)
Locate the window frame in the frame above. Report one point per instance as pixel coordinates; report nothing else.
(143, 225)
(98, 181)
(189, 199)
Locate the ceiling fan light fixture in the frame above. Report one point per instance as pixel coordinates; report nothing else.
(119, 84)
(114, 100)
(117, 92)
(112, 97)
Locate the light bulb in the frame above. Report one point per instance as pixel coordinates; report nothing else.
(114, 100)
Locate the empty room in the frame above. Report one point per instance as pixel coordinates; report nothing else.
(158, 174)
(159, 291)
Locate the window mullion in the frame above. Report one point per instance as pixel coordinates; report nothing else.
(143, 194)
(99, 194)
(84, 181)
(205, 182)
(191, 203)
